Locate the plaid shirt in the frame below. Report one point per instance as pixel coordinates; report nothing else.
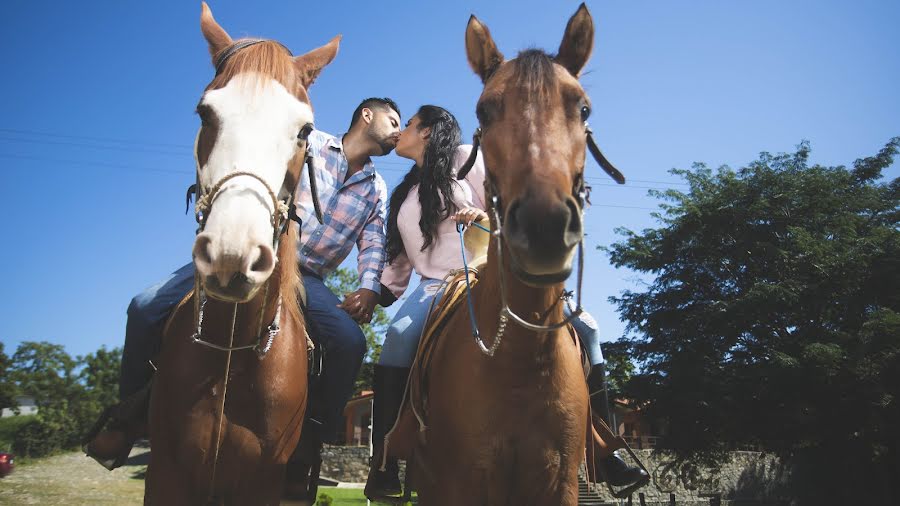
(354, 212)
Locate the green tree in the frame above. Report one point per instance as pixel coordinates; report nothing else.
(7, 387)
(100, 375)
(343, 281)
(44, 371)
(773, 317)
(619, 368)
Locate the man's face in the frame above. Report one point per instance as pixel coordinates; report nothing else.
(384, 128)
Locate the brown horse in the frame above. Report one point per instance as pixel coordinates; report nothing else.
(506, 420)
(230, 393)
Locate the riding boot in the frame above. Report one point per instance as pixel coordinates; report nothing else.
(113, 435)
(302, 470)
(390, 384)
(608, 466)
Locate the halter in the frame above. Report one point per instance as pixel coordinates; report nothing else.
(506, 312)
(283, 211)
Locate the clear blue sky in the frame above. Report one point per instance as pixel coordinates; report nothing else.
(96, 119)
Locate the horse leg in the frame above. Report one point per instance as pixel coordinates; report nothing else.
(267, 488)
(165, 484)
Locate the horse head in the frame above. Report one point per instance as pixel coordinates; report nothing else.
(533, 114)
(256, 117)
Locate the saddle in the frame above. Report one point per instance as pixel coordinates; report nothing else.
(409, 429)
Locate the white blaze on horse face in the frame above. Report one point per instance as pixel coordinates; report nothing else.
(534, 149)
(258, 123)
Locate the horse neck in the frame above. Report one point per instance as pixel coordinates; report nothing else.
(253, 317)
(538, 305)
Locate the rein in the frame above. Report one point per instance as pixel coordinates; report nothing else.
(506, 312)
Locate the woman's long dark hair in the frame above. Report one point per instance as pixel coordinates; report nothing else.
(435, 180)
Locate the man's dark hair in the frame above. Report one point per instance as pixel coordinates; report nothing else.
(373, 103)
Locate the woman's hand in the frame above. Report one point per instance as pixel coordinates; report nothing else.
(360, 305)
(469, 215)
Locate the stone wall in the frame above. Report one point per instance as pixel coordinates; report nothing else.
(349, 464)
(748, 478)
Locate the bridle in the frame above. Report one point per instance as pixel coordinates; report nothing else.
(283, 212)
(580, 191)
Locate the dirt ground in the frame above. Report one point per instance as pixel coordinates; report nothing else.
(73, 478)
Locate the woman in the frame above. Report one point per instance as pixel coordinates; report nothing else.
(421, 235)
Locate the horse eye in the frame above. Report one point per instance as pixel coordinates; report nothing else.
(305, 131)
(585, 112)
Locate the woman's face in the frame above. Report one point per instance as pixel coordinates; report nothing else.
(412, 140)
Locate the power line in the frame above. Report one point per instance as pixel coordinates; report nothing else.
(90, 138)
(392, 161)
(92, 146)
(90, 163)
(185, 172)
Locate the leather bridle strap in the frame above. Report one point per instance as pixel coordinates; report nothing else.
(607, 167)
(605, 164)
(470, 161)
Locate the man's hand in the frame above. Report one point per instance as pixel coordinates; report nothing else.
(360, 304)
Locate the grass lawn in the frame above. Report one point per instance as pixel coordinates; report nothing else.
(347, 496)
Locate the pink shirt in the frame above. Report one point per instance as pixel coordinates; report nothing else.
(443, 255)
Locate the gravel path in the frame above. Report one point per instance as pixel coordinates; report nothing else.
(73, 478)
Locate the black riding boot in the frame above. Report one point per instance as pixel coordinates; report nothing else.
(390, 383)
(614, 469)
(113, 435)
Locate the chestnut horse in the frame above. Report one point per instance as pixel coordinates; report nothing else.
(507, 417)
(230, 393)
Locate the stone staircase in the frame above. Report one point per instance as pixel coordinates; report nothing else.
(587, 497)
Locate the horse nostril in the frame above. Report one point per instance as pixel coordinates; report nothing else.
(512, 216)
(573, 229)
(203, 257)
(264, 261)
(574, 215)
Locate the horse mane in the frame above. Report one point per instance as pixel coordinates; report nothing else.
(290, 273)
(268, 59)
(533, 73)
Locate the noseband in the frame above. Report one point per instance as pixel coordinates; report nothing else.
(580, 190)
(282, 210)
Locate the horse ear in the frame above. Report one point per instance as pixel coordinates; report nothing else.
(484, 58)
(578, 42)
(217, 38)
(311, 64)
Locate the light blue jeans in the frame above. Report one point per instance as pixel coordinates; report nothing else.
(587, 329)
(402, 338)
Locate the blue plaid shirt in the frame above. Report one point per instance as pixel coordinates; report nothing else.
(354, 212)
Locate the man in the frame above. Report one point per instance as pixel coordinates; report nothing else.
(354, 198)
